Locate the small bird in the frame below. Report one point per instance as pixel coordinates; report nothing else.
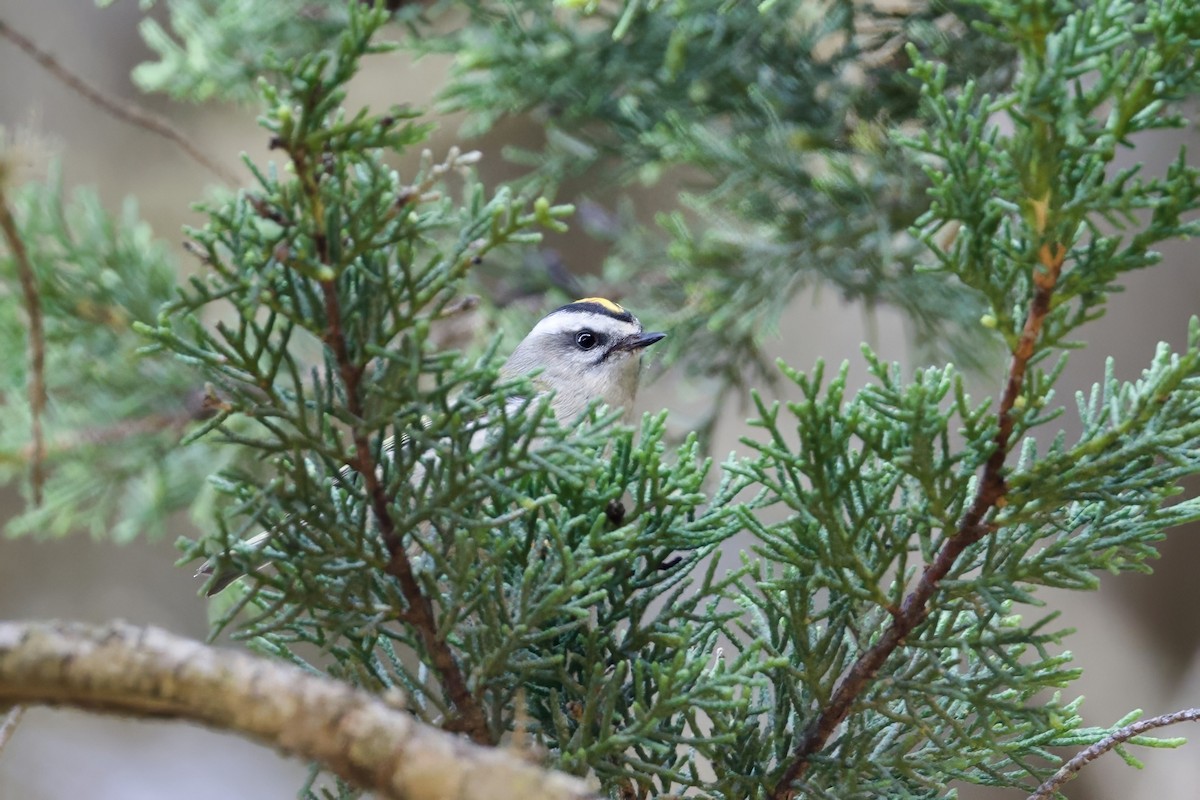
(584, 351)
(589, 350)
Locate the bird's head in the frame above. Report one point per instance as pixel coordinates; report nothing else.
(587, 350)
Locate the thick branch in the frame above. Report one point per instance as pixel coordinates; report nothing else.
(970, 530)
(37, 345)
(122, 110)
(1084, 757)
(147, 672)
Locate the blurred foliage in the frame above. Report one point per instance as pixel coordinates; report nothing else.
(115, 415)
(218, 49)
(432, 530)
(774, 116)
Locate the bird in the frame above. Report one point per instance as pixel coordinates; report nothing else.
(589, 350)
(581, 353)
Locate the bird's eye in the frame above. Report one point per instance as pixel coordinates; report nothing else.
(586, 340)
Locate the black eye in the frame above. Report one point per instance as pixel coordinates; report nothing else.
(586, 340)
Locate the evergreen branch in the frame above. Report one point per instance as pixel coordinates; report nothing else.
(1115, 739)
(37, 344)
(150, 673)
(11, 720)
(420, 614)
(121, 109)
(971, 529)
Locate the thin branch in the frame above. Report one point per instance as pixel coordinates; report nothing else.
(9, 724)
(118, 432)
(121, 109)
(124, 429)
(971, 529)
(470, 718)
(37, 346)
(1118, 737)
(146, 672)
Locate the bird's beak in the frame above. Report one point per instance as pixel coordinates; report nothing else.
(640, 340)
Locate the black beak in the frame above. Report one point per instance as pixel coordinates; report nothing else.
(640, 340)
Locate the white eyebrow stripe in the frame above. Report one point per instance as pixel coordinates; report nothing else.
(574, 321)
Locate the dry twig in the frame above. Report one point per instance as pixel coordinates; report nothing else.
(121, 109)
(1118, 737)
(37, 346)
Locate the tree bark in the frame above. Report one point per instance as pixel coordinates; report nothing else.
(122, 669)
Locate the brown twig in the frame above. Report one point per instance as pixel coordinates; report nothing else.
(121, 669)
(37, 346)
(1118, 737)
(121, 109)
(420, 613)
(116, 432)
(125, 429)
(470, 718)
(971, 529)
(9, 724)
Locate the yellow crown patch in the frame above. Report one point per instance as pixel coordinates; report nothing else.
(605, 302)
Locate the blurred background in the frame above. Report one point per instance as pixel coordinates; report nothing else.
(1139, 639)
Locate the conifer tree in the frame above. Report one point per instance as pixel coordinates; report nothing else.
(562, 587)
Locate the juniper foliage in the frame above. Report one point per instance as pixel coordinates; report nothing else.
(882, 635)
